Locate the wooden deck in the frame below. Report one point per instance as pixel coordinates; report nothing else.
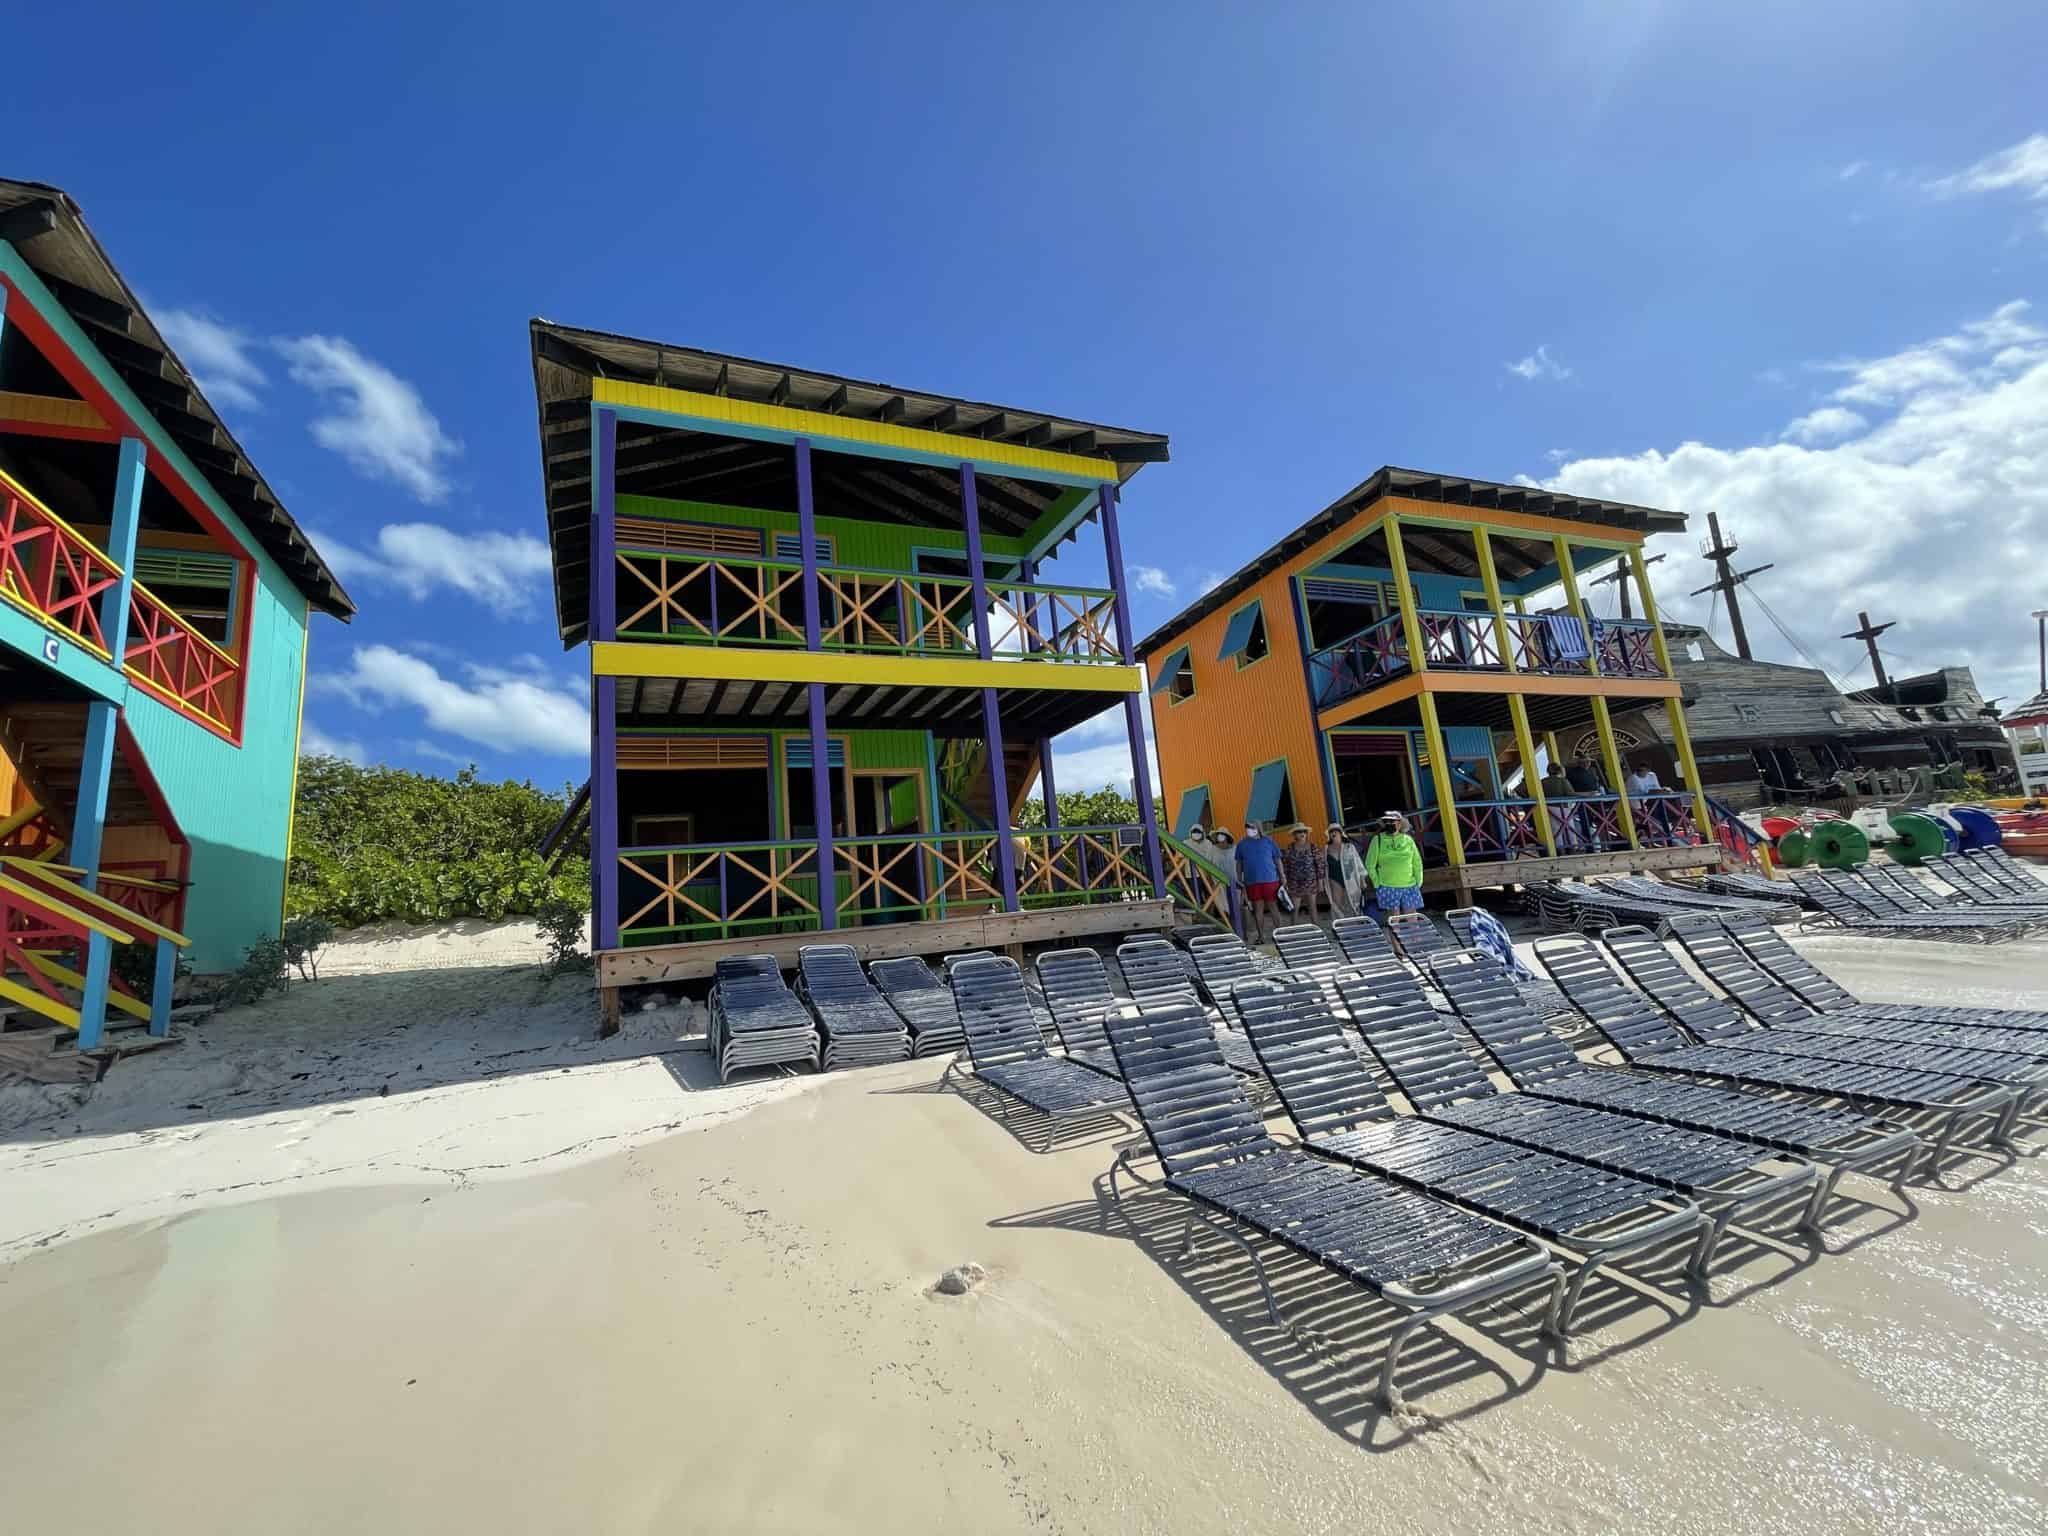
(649, 963)
(1571, 866)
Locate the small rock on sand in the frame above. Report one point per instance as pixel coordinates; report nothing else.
(961, 1279)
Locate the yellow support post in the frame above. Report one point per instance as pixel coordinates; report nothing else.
(1570, 578)
(1674, 709)
(1411, 626)
(1440, 775)
(1532, 783)
(1490, 580)
(1603, 723)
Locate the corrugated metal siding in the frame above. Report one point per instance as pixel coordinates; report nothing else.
(883, 546)
(1241, 717)
(234, 804)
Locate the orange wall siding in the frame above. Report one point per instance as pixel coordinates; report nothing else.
(1239, 719)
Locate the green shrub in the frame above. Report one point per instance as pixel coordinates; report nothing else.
(561, 924)
(387, 845)
(262, 972)
(303, 936)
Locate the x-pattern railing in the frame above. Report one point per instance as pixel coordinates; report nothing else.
(50, 569)
(1626, 648)
(1061, 623)
(1364, 661)
(1456, 638)
(171, 658)
(1534, 642)
(1080, 865)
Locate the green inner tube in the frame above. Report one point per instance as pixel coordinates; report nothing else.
(1916, 838)
(1792, 849)
(1839, 845)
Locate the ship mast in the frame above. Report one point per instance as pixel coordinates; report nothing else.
(1727, 579)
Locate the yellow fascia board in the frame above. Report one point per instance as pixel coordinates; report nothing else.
(64, 909)
(635, 658)
(880, 434)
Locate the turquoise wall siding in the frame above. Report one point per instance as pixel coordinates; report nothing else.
(233, 805)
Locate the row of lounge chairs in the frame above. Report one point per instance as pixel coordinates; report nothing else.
(1885, 899)
(1592, 906)
(1732, 1104)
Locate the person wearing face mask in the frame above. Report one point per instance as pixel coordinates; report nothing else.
(1258, 867)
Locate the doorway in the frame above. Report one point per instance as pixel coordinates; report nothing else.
(1373, 773)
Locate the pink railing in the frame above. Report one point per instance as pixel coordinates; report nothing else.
(173, 660)
(50, 569)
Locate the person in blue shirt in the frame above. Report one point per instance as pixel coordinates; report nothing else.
(1258, 868)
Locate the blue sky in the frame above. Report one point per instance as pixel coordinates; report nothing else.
(1793, 266)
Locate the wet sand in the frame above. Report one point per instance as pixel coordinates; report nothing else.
(731, 1329)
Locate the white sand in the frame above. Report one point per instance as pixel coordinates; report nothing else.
(730, 1328)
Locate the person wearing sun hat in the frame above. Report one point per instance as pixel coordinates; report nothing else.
(1394, 866)
(1301, 866)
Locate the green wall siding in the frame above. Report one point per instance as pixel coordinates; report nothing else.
(234, 805)
(882, 546)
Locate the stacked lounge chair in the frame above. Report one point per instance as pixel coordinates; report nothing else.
(2006, 871)
(1041, 1014)
(860, 1027)
(1445, 1085)
(923, 1002)
(1077, 990)
(756, 1021)
(1575, 905)
(1845, 911)
(1008, 1052)
(1901, 892)
(1424, 1257)
(1341, 1114)
(1222, 962)
(1655, 1042)
(1778, 909)
(1822, 993)
(1743, 882)
(1984, 886)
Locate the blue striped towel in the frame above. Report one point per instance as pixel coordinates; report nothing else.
(1489, 938)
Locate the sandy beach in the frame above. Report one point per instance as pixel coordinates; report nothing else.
(621, 1301)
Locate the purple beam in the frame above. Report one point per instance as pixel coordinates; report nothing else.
(1045, 784)
(821, 811)
(999, 783)
(1134, 718)
(604, 814)
(970, 519)
(604, 523)
(807, 532)
(604, 717)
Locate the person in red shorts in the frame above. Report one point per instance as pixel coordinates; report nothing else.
(1258, 866)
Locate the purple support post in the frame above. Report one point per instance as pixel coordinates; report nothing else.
(1134, 718)
(821, 768)
(821, 811)
(604, 692)
(1052, 796)
(991, 717)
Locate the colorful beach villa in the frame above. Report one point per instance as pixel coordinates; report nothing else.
(828, 655)
(154, 598)
(1416, 646)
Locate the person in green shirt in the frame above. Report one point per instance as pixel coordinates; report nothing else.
(1394, 866)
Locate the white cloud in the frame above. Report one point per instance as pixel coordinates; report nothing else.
(314, 742)
(517, 709)
(1149, 578)
(376, 420)
(1096, 754)
(1934, 516)
(2022, 167)
(1853, 169)
(1209, 581)
(506, 571)
(1824, 425)
(1538, 365)
(217, 355)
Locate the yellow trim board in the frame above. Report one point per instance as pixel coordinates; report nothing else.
(68, 892)
(50, 411)
(789, 418)
(1573, 684)
(64, 976)
(35, 1002)
(64, 909)
(637, 658)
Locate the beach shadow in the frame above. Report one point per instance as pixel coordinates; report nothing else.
(1034, 1131)
(1328, 1353)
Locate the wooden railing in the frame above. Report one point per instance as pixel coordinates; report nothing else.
(1626, 648)
(699, 599)
(174, 661)
(50, 570)
(1359, 663)
(1465, 640)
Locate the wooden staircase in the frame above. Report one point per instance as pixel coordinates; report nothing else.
(964, 778)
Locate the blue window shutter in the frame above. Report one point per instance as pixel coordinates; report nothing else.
(1192, 806)
(1172, 669)
(1266, 786)
(798, 749)
(1239, 634)
(790, 546)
